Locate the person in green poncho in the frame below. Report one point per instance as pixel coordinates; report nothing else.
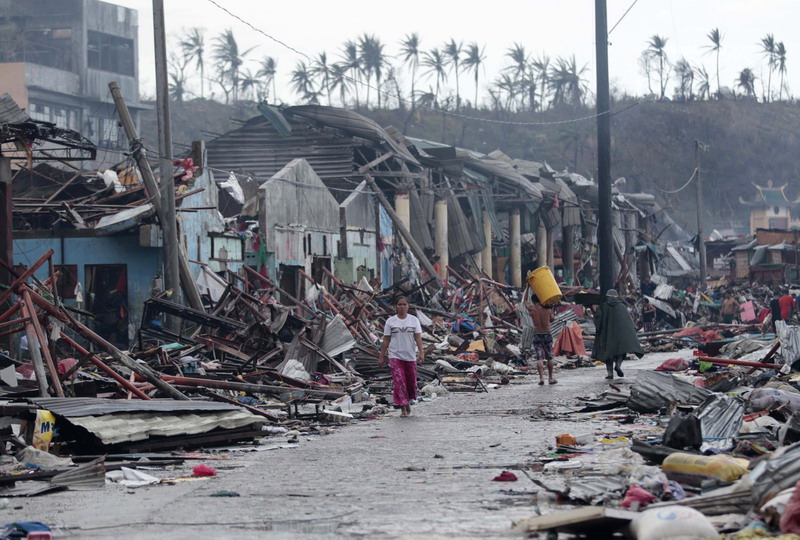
(615, 336)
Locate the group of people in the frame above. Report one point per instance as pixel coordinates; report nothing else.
(615, 337)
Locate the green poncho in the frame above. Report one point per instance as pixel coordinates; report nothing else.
(616, 334)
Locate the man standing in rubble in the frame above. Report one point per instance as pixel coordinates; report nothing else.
(730, 308)
(542, 338)
(616, 334)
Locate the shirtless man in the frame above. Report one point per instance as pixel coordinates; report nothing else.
(730, 308)
(542, 339)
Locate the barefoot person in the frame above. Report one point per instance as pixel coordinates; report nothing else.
(402, 339)
(542, 338)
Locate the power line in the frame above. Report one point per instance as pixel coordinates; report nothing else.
(623, 16)
(432, 109)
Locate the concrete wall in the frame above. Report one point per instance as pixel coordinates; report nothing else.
(298, 216)
(197, 226)
(143, 264)
(12, 81)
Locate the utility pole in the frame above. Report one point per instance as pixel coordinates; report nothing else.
(167, 185)
(604, 238)
(699, 186)
(155, 194)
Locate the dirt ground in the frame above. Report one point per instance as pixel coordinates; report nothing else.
(426, 476)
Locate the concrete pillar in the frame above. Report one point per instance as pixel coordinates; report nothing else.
(403, 209)
(550, 254)
(515, 261)
(541, 246)
(440, 224)
(486, 254)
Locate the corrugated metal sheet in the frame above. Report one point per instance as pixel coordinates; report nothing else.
(10, 113)
(653, 390)
(258, 149)
(350, 122)
(127, 427)
(337, 338)
(76, 407)
(720, 419)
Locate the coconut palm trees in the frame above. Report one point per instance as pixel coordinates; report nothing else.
(474, 61)
(747, 82)
(322, 71)
(768, 50)
(373, 62)
(194, 49)
(436, 65)
(542, 65)
(716, 44)
(656, 49)
(567, 82)
(351, 61)
(266, 71)
(409, 52)
(685, 74)
(780, 63)
(452, 52)
(303, 83)
(229, 60)
(703, 82)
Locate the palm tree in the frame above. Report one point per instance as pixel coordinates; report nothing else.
(267, 70)
(780, 62)
(177, 76)
(352, 62)
(229, 60)
(474, 61)
(452, 51)
(519, 66)
(656, 49)
(542, 65)
(322, 70)
(373, 61)
(303, 83)
(508, 85)
(435, 62)
(194, 48)
(340, 80)
(768, 50)
(249, 84)
(568, 82)
(409, 49)
(703, 82)
(747, 82)
(685, 75)
(716, 44)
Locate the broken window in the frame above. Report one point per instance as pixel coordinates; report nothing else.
(110, 53)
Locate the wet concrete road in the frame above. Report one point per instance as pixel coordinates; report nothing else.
(420, 477)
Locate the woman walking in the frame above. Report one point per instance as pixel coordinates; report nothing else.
(615, 335)
(402, 339)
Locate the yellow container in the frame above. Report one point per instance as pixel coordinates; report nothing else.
(544, 285)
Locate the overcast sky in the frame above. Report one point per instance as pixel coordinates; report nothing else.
(553, 27)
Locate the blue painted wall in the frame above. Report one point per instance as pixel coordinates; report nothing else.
(143, 263)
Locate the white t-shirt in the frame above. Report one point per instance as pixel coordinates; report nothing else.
(402, 345)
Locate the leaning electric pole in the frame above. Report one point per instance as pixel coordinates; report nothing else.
(604, 223)
(701, 245)
(167, 184)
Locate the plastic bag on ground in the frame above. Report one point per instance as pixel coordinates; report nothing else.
(638, 496)
(673, 364)
(673, 523)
